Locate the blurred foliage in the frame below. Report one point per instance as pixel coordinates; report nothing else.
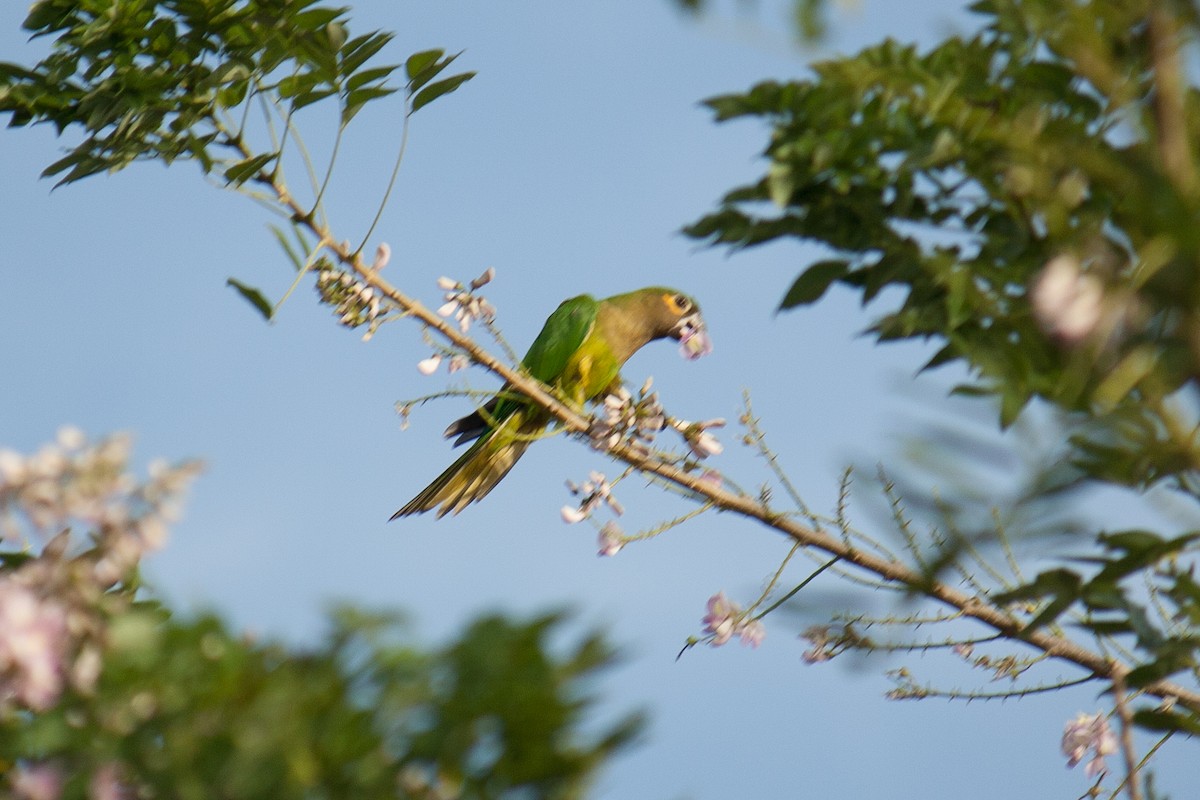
(1025, 197)
(188, 709)
(956, 174)
(808, 16)
(150, 79)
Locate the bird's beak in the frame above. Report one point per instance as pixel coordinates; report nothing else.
(693, 336)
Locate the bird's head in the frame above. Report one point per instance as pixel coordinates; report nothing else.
(683, 321)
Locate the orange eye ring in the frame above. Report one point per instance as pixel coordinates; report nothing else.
(679, 304)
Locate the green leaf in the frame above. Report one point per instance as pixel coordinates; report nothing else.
(1062, 586)
(435, 90)
(358, 51)
(297, 261)
(316, 18)
(1157, 719)
(430, 72)
(254, 296)
(246, 169)
(357, 99)
(419, 62)
(813, 283)
(368, 76)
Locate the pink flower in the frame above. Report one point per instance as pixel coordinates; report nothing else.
(611, 539)
(752, 633)
(595, 491)
(719, 621)
(1067, 302)
(695, 343)
(429, 365)
(702, 443)
(106, 784)
(33, 641)
(1089, 732)
(37, 782)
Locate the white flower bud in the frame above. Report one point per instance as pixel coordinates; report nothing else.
(383, 254)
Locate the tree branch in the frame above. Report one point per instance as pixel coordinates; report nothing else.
(891, 570)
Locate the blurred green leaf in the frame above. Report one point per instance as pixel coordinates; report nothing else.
(813, 283)
(435, 90)
(1060, 586)
(254, 297)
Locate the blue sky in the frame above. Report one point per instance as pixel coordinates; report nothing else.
(569, 164)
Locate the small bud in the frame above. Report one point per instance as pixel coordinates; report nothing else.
(429, 365)
(484, 279)
(383, 254)
(573, 514)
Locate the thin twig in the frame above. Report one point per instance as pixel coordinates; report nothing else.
(1170, 117)
(391, 181)
(1126, 717)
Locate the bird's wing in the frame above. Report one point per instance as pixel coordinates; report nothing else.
(561, 336)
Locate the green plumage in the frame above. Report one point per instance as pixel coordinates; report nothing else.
(579, 353)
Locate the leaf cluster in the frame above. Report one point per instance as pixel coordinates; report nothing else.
(1160, 616)
(150, 79)
(952, 176)
(189, 709)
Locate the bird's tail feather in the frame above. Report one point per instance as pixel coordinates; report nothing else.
(477, 471)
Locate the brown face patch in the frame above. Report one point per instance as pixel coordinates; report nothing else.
(677, 304)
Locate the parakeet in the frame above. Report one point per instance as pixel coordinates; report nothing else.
(579, 352)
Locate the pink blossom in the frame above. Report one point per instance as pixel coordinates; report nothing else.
(594, 491)
(1089, 732)
(33, 640)
(702, 443)
(429, 365)
(815, 655)
(611, 539)
(695, 343)
(1067, 302)
(37, 782)
(706, 445)
(752, 633)
(106, 783)
(719, 621)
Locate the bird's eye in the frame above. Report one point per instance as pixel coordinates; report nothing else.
(682, 303)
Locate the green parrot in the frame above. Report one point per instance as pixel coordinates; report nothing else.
(579, 352)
